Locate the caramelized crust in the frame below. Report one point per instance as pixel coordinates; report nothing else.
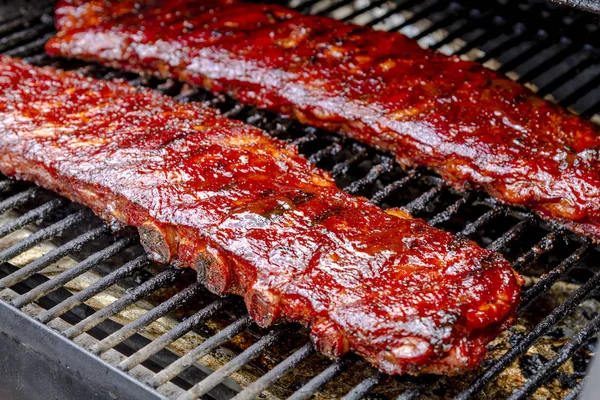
(255, 219)
(473, 126)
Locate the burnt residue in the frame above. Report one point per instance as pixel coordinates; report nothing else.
(531, 363)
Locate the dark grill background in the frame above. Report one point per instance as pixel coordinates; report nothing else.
(552, 47)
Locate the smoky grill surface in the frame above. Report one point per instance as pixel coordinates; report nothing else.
(559, 314)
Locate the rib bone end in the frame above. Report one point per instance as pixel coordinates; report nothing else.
(263, 307)
(328, 339)
(160, 242)
(214, 271)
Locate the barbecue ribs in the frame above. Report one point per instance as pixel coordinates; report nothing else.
(256, 219)
(473, 126)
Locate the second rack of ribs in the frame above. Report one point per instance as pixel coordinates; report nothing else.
(470, 124)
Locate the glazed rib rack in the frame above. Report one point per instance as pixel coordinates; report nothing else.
(561, 62)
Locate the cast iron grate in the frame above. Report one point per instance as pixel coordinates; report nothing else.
(554, 48)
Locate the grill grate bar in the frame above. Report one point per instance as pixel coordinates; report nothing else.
(50, 257)
(453, 15)
(73, 272)
(342, 168)
(312, 386)
(37, 214)
(410, 394)
(54, 230)
(33, 32)
(416, 17)
(502, 47)
(486, 217)
(472, 23)
(549, 63)
(40, 59)
(254, 389)
(137, 325)
(590, 112)
(419, 204)
(30, 47)
(18, 199)
(394, 186)
(137, 293)
(528, 53)
(360, 11)
(580, 92)
(490, 33)
(209, 345)
(513, 233)
(333, 7)
(576, 391)
(8, 26)
(543, 246)
(235, 111)
(309, 137)
(174, 334)
(540, 329)
(238, 362)
(305, 7)
(374, 173)
(363, 388)
(568, 350)
(187, 94)
(553, 276)
(328, 151)
(399, 6)
(98, 286)
(538, 47)
(566, 76)
(451, 210)
(110, 75)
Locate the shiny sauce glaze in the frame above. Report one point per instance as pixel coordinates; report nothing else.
(255, 219)
(475, 127)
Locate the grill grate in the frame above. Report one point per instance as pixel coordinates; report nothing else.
(562, 63)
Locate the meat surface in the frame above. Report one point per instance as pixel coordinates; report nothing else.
(473, 126)
(256, 219)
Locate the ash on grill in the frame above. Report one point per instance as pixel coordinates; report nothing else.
(63, 267)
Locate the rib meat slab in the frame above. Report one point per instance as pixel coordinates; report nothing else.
(255, 219)
(473, 126)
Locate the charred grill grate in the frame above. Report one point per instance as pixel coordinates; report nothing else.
(163, 322)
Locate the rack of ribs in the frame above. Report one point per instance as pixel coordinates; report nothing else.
(473, 126)
(255, 219)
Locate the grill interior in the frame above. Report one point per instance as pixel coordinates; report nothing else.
(63, 267)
